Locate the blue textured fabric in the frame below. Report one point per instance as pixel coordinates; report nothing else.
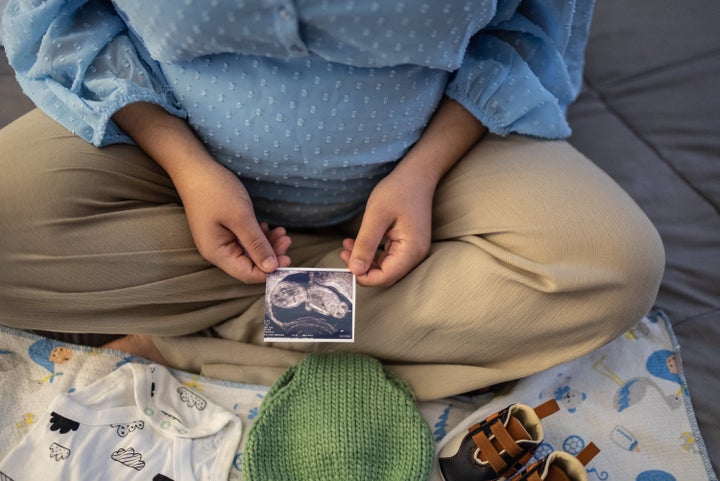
(310, 102)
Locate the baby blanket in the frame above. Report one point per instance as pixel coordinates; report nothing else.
(629, 398)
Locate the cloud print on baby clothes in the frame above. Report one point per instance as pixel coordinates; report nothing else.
(158, 477)
(62, 424)
(129, 458)
(58, 453)
(191, 399)
(125, 429)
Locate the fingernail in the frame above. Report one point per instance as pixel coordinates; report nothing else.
(356, 265)
(269, 264)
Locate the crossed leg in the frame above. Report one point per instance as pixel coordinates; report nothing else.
(538, 257)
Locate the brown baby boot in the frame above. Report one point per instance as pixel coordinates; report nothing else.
(559, 466)
(498, 447)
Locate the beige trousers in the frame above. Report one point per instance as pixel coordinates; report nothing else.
(538, 257)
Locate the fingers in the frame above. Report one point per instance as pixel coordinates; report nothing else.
(280, 242)
(231, 258)
(271, 247)
(373, 268)
(363, 250)
(403, 249)
(390, 265)
(248, 250)
(257, 245)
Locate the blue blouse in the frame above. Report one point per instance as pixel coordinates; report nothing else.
(310, 102)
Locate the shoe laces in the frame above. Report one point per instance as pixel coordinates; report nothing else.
(502, 440)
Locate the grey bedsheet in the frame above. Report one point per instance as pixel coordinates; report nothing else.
(649, 115)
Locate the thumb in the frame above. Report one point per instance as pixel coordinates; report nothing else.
(256, 245)
(364, 248)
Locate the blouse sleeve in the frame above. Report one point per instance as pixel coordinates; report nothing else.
(79, 63)
(521, 72)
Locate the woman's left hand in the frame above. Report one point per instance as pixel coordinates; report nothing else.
(398, 214)
(394, 235)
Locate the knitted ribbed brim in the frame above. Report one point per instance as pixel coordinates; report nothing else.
(338, 417)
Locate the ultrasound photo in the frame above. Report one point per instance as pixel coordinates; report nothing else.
(315, 305)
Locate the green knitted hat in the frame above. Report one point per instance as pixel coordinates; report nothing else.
(338, 417)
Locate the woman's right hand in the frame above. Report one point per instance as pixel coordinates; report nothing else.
(223, 224)
(219, 210)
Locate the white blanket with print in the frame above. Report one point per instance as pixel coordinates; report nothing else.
(629, 398)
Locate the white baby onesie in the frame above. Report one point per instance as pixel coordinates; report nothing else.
(139, 422)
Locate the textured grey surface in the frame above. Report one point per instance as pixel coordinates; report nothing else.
(649, 115)
(12, 102)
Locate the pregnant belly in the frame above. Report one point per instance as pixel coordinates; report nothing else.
(306, 131)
